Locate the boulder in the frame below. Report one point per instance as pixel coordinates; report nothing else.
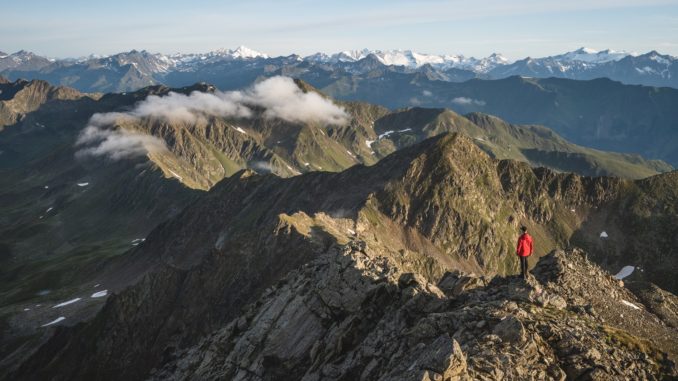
(510, 330)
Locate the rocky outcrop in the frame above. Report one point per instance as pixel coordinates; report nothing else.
(349, 315)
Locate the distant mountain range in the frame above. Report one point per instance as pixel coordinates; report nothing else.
(132, 70)
(598, 113)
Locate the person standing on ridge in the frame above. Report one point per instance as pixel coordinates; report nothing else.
(524, 250)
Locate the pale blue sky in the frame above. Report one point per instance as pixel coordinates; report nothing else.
(516, 28)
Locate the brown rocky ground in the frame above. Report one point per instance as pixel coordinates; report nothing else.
(351, 316)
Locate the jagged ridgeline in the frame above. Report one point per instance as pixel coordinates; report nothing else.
(332, 276)
(397, 201)
(210, 144)
(205, 150)
(70, 202)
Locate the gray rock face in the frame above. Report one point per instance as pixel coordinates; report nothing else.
(352, 315)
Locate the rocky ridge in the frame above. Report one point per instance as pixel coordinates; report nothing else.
(428, 209)
(352, 315)
(202, 152)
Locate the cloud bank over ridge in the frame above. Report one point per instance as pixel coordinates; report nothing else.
(279, 97)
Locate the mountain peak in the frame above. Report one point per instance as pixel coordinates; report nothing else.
(243, 51)
(589, 55)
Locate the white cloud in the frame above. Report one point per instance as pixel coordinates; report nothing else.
(280, 98)
(188, 108)
(261, 166)
(283, 99)
(427, 93)
(464, 101)
(116, 144)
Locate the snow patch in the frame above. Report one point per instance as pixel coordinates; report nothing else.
(59, 319)
(293, 170)
(100, 294)
(67, 302)
(387, 133)
(176, 175)
(240, 130)
(624, 272)
(630, 304)
(83, 184)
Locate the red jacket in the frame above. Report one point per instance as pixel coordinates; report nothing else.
(524, 248)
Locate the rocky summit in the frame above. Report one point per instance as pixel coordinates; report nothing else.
(397, 271)
(352, 315)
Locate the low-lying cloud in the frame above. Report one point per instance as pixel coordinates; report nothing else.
(279, 97)
(116, 144)
(283, 99)
(464, 101)
(261, 166)
(189, 108)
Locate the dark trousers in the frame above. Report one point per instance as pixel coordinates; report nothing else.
(523, 267)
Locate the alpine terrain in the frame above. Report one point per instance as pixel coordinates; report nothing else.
(382, 272)
(272, 232)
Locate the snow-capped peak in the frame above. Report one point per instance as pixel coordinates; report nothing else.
(589, 55)
(245, 52)
(412, 60)
(350, 55)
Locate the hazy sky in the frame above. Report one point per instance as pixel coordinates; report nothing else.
(516, 28)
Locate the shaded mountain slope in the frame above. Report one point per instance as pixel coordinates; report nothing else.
(437, 206)
(599, 113)
(62, 216)
(536, 145)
